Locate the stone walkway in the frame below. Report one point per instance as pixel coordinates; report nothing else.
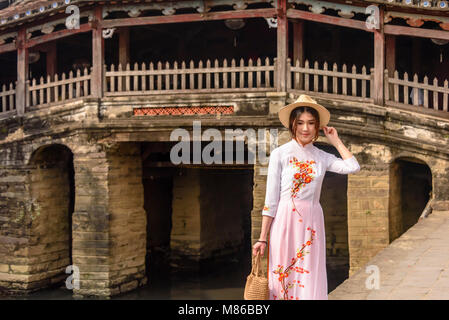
(415, 266)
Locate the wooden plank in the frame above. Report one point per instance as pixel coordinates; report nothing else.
(58, 35)
(8, 47)
(416, 32)
(191, 17)
(321, 18)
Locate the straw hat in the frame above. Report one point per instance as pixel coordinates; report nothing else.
(304, 101)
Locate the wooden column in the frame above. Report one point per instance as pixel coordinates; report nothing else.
(51, 58)
(282, 45)
(124, 46)
(22, 72)
(390, 57)
(379, 61)
(298, 47)
(97, 54)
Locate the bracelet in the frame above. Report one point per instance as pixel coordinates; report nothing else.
(261, 241)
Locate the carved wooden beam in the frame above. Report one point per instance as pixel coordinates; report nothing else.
(191, 17)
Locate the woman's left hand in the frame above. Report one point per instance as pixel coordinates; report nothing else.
(331, 134)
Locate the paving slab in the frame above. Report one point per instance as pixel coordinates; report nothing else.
(413, 267)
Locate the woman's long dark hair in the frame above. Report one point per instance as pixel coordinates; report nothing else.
(294, 117)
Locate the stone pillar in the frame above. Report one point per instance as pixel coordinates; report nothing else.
(128, 219)
(109, 223)
(91, 220)
(368, 197)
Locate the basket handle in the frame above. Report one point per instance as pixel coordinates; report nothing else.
(256, 264)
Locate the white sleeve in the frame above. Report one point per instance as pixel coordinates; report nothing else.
(273, 185)
(341, 166)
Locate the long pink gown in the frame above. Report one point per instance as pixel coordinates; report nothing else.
(297, 242)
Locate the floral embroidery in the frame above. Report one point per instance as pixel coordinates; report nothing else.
(303, 176)
(266, 208)
(284, 273)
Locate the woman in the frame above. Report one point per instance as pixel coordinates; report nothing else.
(292, 212)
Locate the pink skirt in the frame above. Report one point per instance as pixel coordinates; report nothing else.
(297, 252)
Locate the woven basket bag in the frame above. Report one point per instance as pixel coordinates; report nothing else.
(256, 287)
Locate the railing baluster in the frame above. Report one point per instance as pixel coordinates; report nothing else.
(344, 80)
(405, 88)
(267, 73)
(183, 75)
(325, 67)
(127, 78)
(216, 75)
(192, 75)
(258, 74)
(225, 74)
(445, 96)
(334, 79)
(120, 78)
(167, 76)
(136, 78)
(415, 90)
(175, 75)
(208, 74)
(48, 85)
(242, 74)
(306, 76)
(364, 82)
(354, 81)
(200, 75)
(78, 83)
(151, 76)
(56, 88)
(396, 87)
(426, 92)
(315, 76)
(233, 74)
(435, 94)
(143, 78)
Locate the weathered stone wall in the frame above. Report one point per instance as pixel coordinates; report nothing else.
(128, 220)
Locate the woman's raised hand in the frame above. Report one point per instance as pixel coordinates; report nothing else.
(331, 134)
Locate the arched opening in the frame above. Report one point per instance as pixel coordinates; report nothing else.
(199, 225)
(334, 201)
(52, 191)
(410, 190)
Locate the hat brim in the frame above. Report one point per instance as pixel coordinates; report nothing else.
(284, 112)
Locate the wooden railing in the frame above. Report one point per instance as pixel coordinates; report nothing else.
(202, 77)
(59, 89)
(334, 83)
(230, 76)
(412, 92)
(7, 99)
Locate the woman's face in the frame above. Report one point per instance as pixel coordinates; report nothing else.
(305, 130)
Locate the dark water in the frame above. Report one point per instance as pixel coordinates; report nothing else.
(225, 281)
